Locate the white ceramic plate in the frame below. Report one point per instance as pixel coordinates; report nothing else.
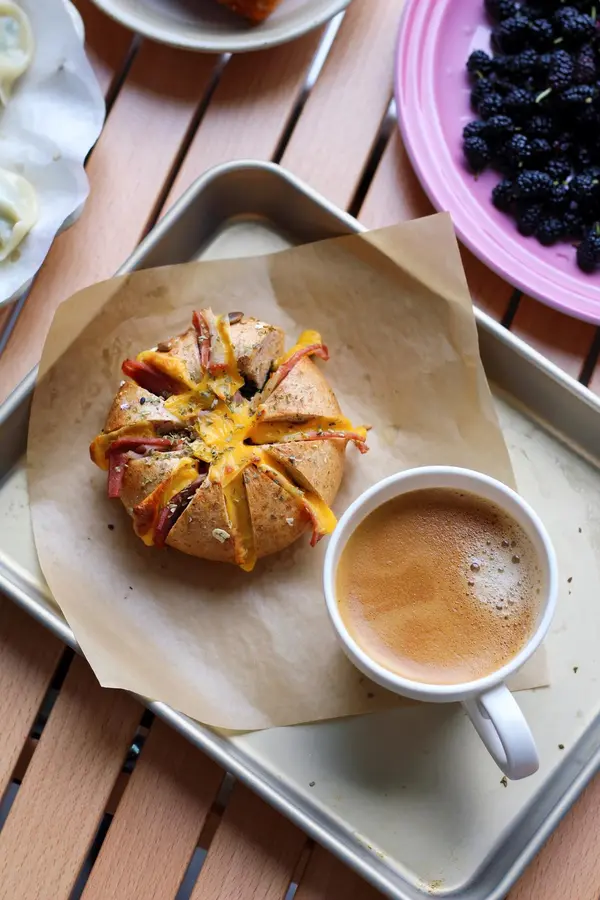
(48, 127)
(207, 26)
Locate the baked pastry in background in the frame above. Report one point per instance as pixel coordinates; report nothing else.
(255, 10)
(224, 446)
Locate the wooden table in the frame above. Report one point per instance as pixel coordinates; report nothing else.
(83, 808)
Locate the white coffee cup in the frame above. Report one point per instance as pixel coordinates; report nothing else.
(489, 704)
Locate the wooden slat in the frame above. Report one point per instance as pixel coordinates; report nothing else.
(158, 821)
(395, 195)
(249, 109)
(568, 866)
(127, 170)
(253, 854)
(564, 340)
(326, 877)
(337, 129)
(28, 658)
(60, 803)
(107, 44)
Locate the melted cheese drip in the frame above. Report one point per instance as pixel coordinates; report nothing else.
(180, 478)
(306, 339)
(238, 510)
(279, 432)
(222, 430)
(323, 518)
(189, 405)
(101, 444)
(226, 383)
(172, 366)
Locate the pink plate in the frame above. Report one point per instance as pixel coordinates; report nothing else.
(432, 97)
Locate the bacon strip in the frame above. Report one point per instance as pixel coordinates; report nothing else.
(356, 439)
(118, 454)
(129, 442)
(203, 332)
(286, 367)
(317, 530)
(172, 511)
(116, 473)
(213, 352)
(218, 350)
(149, 378)
(316, 534)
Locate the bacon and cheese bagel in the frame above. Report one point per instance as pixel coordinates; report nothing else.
(222, 445)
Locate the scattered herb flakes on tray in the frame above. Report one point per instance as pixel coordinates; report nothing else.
(538, 104)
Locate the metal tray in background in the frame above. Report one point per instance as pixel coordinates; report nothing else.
(409, 798)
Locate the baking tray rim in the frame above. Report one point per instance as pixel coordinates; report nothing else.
(251, 772)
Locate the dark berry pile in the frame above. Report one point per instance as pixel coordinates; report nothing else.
(538, 104)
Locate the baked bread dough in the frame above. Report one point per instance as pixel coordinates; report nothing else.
(222, 445)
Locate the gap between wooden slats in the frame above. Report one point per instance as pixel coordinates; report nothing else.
(326, 878)
(107, 45)
(253, 855)
(563, 339)
(128, 168)
(340, 122)
(158, 821)
(594, 382)
(66, 786)
(249, 109)
(395, 195)
(28, 658)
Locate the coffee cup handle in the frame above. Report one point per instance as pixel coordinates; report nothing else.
(503, 729)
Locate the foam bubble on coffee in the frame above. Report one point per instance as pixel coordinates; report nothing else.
(440, 586)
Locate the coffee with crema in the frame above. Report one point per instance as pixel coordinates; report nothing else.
(439, 586)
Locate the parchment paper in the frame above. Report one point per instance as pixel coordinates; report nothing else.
(236, 650)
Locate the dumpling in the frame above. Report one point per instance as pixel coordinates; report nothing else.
(16, 46)
(18, 211)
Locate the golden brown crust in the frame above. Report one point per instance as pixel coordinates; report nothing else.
(135, 406)
(255, 10)
(256, 346)
(303, 394)
(313, 465)
(142, 476)
(277, 518)
(185, 347)
(194, 531)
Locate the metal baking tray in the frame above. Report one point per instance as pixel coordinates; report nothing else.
(409, 798)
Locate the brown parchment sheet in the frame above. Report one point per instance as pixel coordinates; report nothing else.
(236, 650)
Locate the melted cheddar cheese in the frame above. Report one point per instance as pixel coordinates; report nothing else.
(324, 521)
(225, 384)
(221, 430)
(181, 477)
(101, 444)
(238, 510)
(172, 366)
(279, 432)
(306, 339)
(189, 405)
